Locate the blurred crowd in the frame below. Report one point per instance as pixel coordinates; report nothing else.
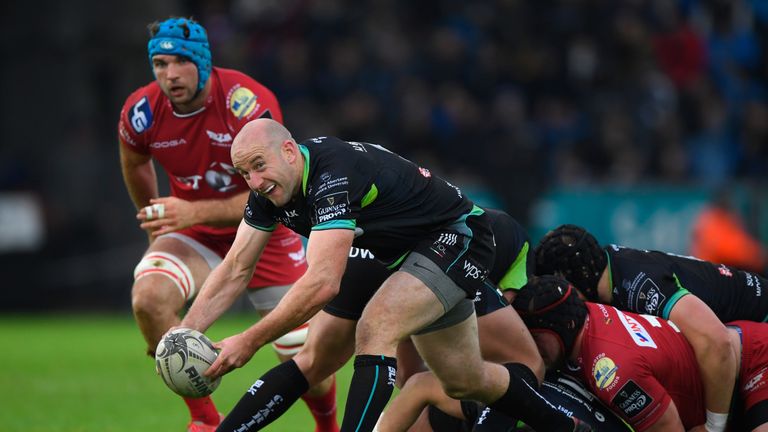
(510, 97)
(525, 94)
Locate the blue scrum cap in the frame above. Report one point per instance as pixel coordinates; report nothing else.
(183, 37)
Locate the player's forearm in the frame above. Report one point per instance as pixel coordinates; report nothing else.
(305, 298)
(218, 293)
(719, 368)
(140, 180)
(221, 212)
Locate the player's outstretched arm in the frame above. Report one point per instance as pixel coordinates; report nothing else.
(327, 253)
(718, 362)
(228, 280)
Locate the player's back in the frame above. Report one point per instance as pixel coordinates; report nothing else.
(638, 363)
(651, 281)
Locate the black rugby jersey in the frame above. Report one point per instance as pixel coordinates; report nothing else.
(651, 282)
(389, 201)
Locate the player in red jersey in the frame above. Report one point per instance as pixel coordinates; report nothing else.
(642, 366)
(185, 120)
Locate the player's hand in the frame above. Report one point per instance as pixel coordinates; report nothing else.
(234, 352)
(166, 214)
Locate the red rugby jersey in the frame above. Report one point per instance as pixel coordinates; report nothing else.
(194, 149)
(637, 364)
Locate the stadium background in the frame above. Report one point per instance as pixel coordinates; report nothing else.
(625, 116)
(620, 115)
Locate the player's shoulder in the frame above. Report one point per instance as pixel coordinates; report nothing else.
(141, 106)
(245, 97)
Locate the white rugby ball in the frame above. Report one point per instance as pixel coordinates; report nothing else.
(181, 358)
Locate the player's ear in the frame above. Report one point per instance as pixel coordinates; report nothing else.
(290, 150)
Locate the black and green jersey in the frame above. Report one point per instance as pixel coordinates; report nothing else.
(651, 282)
(388, 201)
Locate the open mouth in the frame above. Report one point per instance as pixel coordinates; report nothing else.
(177, 91)
(268, 189)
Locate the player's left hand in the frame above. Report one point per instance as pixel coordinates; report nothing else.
(167, 214)
(234, 352)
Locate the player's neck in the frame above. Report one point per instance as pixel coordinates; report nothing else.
(196, 104)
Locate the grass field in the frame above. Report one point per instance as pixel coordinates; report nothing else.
(78, 373)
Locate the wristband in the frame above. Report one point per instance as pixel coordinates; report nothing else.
(716, 421)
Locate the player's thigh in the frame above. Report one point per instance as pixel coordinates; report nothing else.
(402, 306)
(170, 267)
(330, 343)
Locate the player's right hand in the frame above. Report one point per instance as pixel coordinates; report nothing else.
(166, 214)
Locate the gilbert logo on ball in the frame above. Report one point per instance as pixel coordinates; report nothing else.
(181, 358)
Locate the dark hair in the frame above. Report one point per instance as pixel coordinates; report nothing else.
(551, 303)
(574, 253)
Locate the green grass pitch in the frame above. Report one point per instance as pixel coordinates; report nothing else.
(82, 373)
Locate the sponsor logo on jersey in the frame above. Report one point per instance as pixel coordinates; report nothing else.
(472, 271)
(125, 135)
(298, 256)
(652, 296)
(756, 381)
(458, 191)
(190, 182)
(753, 281)
(168, 144)
(631, 399)
(636, 331)
(331, 206)
(219, 176)
(241, 101)
(355, 252)
(332, 183)
(606, 317)
(725, 271)
(219, 139)
(604, 371)
(141, 115)
(449, 239)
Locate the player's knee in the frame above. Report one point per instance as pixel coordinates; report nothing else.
(371, 337)
(292, 342)
(160, 268)
(148, 300)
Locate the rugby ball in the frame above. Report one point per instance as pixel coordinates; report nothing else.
(181, 358)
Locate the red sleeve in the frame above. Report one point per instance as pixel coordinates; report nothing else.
(135, 119)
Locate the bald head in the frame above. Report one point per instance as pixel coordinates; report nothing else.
(269, 160)
(261, 134)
